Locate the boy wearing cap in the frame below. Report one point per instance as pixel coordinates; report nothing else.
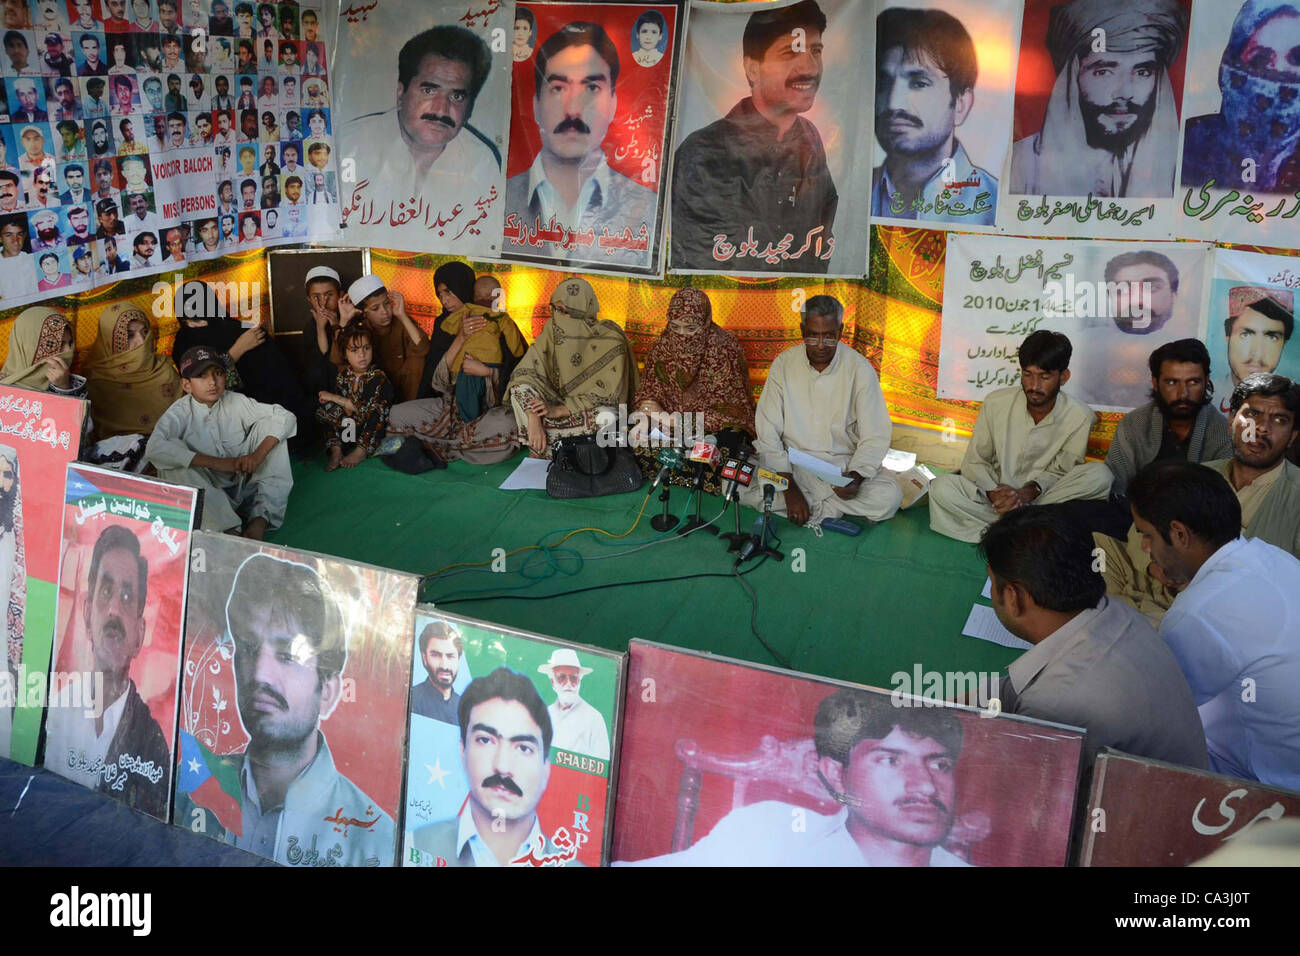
(400, 344)
(228, 445)
(323, 288)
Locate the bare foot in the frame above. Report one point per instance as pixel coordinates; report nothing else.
(336, 456)
(255, 529)
(353, 458)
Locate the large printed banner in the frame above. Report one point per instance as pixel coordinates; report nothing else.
(1239, 172)
(943, 111)
(512, 746)
(1251, 319)
(39, 435)
(1116, 301)
(591, 107)
(123, 570)
(731, 764)
(137, 137)
(1098, 97)
(293, 696)
(1147, 813)
(773, 130)
(421, 93)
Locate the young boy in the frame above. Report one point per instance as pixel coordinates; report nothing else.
(226, 444)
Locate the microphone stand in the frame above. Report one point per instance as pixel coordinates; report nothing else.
(664, 521)
(696, 520)
(737, 538)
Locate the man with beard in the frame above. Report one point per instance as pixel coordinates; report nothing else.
(120, 743)
(1265, 418)
(505, 747)
(1233, 627)
(56, 60)
(1259, 324)
(893, 769)
(578, 726)
(570, 184)
(144, 251)
(45, 225)
(762, 166)
(290, 653)
(65, 102)
(439, 155)
(1257, 118)
(925, 89)
(220, 22)
(221, 98)
(1111, 126)
(226, 199)
(101, 144)
(79, 222)
(1027, 446)
(435, 697)
(270, 192)
(175, 100)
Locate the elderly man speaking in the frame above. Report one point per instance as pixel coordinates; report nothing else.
(1111, 127)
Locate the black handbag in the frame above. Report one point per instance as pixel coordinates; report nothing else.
(581, 468)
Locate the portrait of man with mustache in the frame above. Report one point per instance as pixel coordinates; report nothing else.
(90, 748)
(435, 696)
(763, 165)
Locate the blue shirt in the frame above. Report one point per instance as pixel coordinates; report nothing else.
(941, 199)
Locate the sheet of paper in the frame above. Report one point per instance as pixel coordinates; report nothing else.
(822, 469)
(531, 473)
(983, 623)
(988, 589)
(899, 460)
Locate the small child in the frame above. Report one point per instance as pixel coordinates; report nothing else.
(356, 412)
(226, 444)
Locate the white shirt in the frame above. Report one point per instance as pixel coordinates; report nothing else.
(467, 832)
(552, 204)
(1235, 630)
(580, 729)
(73, 749)
(17, 279)
(1007, 447)
(134, 223)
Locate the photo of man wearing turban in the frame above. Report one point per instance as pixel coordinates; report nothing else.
(1111, 124)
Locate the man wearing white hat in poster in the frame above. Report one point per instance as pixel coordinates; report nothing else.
(578, 726)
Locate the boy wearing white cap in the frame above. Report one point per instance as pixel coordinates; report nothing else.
(400, 346)
(577, 726)
(323, 288)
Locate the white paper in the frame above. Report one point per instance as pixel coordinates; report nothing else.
(531, 473)
(988, 589)
(822, 469)
(983, 623)
(899, 460)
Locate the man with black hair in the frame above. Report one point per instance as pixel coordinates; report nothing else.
(1265, 421)
(1096, 663)
(570, 183)
(505, 746)
(925, 88)
(290, 653)
(118, 748)
(762, 166)
(1259, 324)
(892, 768)
(437, 154)
(1027, 446)
(435, 697)
(1234, 627)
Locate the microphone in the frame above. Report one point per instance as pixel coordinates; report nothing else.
(670, 459)
(737, 473)
(705, 456)
(771, 479)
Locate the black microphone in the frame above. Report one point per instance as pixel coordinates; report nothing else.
(670, 459)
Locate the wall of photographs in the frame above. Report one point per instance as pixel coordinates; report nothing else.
(138, 135)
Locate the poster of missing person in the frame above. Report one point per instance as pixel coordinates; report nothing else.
(944, 88)
(513, 747)
(421, 92)
(1239, 169)
(724, 763)
(136, 137)
(293, 703)
(1115, 301)
(1200, 813)
(110, 722)
(40, 434)
(773, 134)
(591, 110)
(1251, 320)
(1099, 93)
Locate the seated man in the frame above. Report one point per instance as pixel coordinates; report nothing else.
(1235, 629)
(824, 398)
(400, 344)
(1266, 417)
(1179, 422)
(1095, 663)
(1028, 445)
(226, 444)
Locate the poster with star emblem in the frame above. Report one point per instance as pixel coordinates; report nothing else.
(293, 703)
(513, 744)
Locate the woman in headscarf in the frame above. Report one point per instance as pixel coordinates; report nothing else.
(40, 354)
(255, 364)
(472, 352)
(130, 384)
(579, 365)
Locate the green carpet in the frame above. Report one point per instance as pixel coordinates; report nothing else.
(861, 609)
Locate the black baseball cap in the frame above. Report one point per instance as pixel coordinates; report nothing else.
(198, 359)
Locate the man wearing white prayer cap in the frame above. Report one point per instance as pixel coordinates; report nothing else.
(323, 287)
(578, 727)
(400, 346)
